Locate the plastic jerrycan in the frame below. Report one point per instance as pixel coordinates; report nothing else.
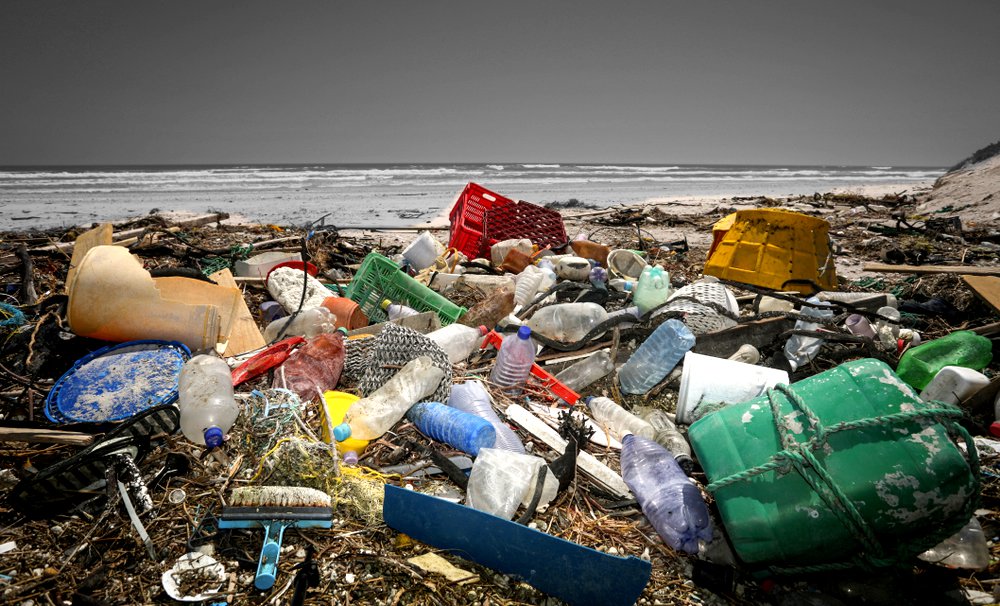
(337, 403)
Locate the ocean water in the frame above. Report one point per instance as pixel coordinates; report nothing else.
(388, 194)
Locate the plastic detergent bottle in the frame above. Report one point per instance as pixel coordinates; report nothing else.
(395, 311)
(514, 360)
(370, 417)
(671, 503)
(961, 348)
(472, 397)
(337, 403)
(307, 323)
(458, 340)
(652, 290)
(617, 420)
(586, 371)
(801, 349)
(952, 384)
(461, 430)
(667, 436)
(567, 322)
(656, 357)
(205, 399)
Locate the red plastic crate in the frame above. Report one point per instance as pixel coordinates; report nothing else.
(544, 227)
(467, 217)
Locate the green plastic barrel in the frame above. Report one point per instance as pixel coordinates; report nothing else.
(865, 473)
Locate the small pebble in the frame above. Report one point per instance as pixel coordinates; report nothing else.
(613, 551)
(349, 577)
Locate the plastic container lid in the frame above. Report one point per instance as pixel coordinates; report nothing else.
(117, 382)
(213, 437)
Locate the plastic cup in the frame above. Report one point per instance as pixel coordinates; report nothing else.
(710, 380)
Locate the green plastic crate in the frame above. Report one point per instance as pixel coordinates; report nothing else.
(379, 278)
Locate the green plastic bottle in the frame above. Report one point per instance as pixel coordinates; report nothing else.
(962, 348)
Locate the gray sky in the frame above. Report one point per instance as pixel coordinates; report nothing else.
(768, 82)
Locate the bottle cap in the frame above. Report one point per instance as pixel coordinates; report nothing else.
(385, 303)
(213, 437)
(341, 432)
(588, 400)
(350, 458)
(483, 330)
(524, 333)
(343, 330)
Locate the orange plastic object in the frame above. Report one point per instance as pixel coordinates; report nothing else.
(267, 359)
(776, 249)
(719, 231)
(546, 380)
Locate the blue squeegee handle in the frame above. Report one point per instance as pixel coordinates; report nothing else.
(267, 567)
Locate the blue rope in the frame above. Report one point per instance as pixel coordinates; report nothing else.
(15, 316)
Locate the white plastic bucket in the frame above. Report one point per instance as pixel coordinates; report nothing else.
(710, 380)
(423, 251)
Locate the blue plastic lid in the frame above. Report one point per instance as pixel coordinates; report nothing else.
(524, 332)
(341, 432)
(117, 382)
(213, 437)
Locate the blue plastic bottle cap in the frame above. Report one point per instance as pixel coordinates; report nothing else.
(587, 400)
(524, 332)
(628, 286)
(341, 432)
(213, 437)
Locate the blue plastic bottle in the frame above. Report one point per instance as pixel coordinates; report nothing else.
(472, 397)
(656, 357)
(514, 360)
(458, 429)
(671, 503)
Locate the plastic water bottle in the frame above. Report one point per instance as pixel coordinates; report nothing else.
(967, 548)
(397, 311)
(567, 322)
(472, 397)
(617, 420)
(671, 503)
(205, 399)
(800, 349)
(528, 282)
(656, 357)
(586, 371)
(622, 285)
(961, 348)
(652, 290)
(667, 436)
(514, 360)
(458, 340)
(370, 417)
(458, 429)
(599, 276)
(502, 480)
(308, 323)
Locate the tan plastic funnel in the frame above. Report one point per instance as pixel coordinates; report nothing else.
(113, 298)
(776, 249)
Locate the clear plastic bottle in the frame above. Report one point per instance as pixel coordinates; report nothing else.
(801, 349)
(599, 276)
(567, 322)
(961, 348)
(586, 371)
(369, 418)
(652, 290)
(671, 503)
(308, 323)
(967, 548)
(668, 437)
(622, 285)
(501, 480)
(656, 357)
(617, 420)
(472, 397)
(396, 311)
(514, 360)
(528, 282)
(458, 340)
(205, 399)
(462, 430)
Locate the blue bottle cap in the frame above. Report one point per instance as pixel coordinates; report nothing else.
(213, 437)
(341, 432)
(524, 333)
(587, 400)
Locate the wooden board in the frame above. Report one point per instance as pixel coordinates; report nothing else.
(932, 269)
(987, 287)
(244, 334)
